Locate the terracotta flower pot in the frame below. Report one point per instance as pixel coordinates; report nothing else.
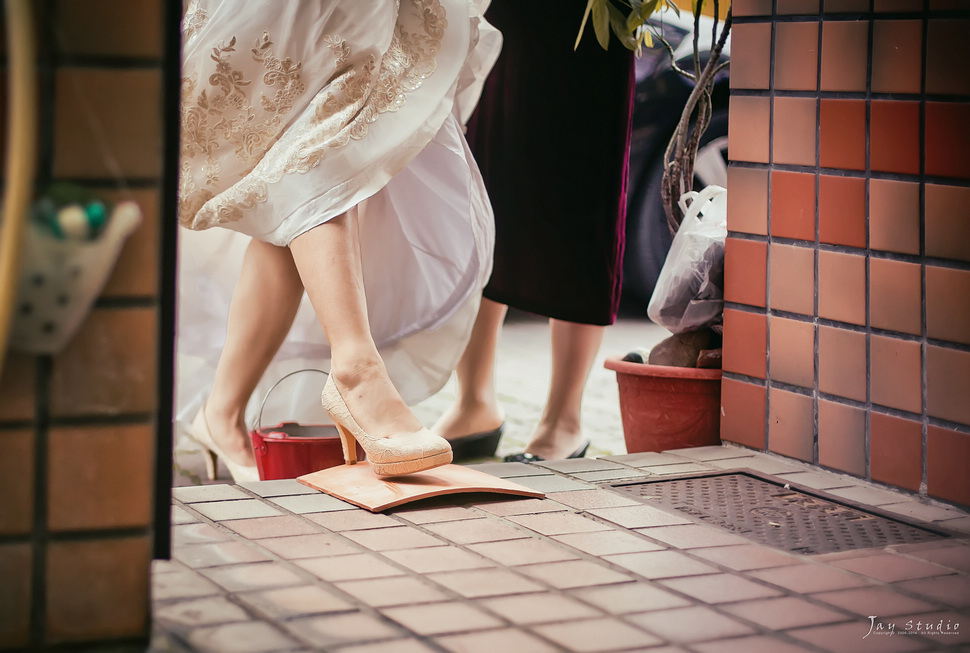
(667, 407)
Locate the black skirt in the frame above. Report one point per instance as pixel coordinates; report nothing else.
(552, 138)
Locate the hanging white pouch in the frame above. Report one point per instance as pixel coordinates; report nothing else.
(60, 279)
(689, 294)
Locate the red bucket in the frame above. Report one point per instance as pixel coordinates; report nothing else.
(290, 449)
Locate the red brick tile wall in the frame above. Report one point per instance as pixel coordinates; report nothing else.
(78, 429)
(847, 320)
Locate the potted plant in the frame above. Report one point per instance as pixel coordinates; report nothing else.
(672, 399)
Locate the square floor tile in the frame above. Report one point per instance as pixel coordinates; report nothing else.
(575, 573)
(692, 624)
(721, 588)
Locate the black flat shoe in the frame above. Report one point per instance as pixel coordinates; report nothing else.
(477, 445)
(527, 457)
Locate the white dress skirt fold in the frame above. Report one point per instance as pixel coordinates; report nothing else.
(295, 112)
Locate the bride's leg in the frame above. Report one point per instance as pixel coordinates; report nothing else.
(328, 259)
(264, 305)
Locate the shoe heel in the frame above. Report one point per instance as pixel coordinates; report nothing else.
(349, 445)
(211, 463)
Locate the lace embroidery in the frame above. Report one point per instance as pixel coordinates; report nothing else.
(225, 115)
(354, 98)
(193, 20)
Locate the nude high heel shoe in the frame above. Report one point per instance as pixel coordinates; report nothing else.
(199, 431)
(400, 453)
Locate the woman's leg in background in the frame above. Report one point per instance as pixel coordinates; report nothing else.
(574, 348)
(264, 305)
(329, 263)
(476, 408)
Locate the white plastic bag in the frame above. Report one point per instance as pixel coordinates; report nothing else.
(689, 294)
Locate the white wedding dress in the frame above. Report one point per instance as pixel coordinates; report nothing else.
(297, 111)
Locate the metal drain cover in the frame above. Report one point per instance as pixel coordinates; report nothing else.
(773, 514)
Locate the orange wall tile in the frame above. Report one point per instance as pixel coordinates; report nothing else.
(804, 7)
(745, 343)
(97, 589)
(791, 424)
(896, 373)
(948, 139)
(948, 384)
(747, 203)
(842, 210)
(15, 595)
(894, 136)
(745, 266)
(748, 128)
(896, 450)
(796, 56)
(947, 453)
(842, 134)
(897, 56)
(948, 304)
(847, 6)
(895, 296)
(842, 362)
(109, 366)
(18, 387)
(792, 279)
(894, 216)
(793, 205)
(17, 482)
(129, 101)
(792, 346)
(945, 42)
(845, 53)
(94, 478)
(948, 222)
(743, 413)
(126, 28)
(751, 7)
(753, 69)
(842, 287)
(842, 437)
(794, 130)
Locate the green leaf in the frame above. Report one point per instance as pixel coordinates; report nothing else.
(582, 26)
(601, 22)
(620, 25)
(647, 9)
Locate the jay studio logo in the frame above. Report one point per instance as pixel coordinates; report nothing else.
(913, 626)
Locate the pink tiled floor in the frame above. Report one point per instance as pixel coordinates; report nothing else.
(585, 569)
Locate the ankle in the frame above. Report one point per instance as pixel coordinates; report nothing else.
(351, 373)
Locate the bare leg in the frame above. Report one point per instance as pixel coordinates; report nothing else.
(476, 409)
(263, 307)
(574, 349)
(328, 259)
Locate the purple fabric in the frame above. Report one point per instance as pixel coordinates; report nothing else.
(552, 136)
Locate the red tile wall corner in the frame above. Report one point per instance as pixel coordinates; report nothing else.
(866, 230)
